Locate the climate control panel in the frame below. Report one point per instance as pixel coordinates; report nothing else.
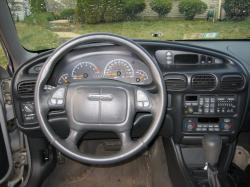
(210, 104)
(205, 125)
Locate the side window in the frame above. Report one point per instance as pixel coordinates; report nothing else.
(3, 58)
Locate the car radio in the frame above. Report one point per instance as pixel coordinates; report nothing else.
(210, 104)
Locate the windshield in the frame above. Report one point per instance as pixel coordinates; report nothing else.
(44, 24)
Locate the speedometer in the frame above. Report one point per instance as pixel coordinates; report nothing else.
(85, 70)
(119, 69)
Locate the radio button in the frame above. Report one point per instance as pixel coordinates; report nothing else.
(207, 99)
(204, 129)
(198, 129)
(211, 129)
(211, 110)
(217, 129)
(216, 126)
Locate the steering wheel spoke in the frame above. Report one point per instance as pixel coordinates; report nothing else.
(126, 141)
(74, 137)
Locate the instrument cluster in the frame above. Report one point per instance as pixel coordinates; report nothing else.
(129, 70)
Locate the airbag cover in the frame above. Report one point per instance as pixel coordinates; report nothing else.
(105, 105)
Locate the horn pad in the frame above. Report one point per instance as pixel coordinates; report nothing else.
(107, 105)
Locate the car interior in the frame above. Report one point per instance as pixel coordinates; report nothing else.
(106, 110)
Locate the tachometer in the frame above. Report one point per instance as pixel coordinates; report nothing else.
(85, 70)
(64, 79)
(119, 69)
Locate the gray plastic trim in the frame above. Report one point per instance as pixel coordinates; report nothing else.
(7, 143)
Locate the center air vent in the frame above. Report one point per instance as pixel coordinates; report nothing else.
(26, 88)
(175, 82)
(203, 82)
(232, 82)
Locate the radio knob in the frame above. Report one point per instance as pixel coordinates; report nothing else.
(190, 110)
(190, 127)
(227, 127)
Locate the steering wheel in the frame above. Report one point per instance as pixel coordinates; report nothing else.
(100, 105)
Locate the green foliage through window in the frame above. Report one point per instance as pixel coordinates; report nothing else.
(190, 8)
(68, 14)
(3, 59)
(96, 11)
(42, 18)
(133, 8)
(37, 6)
(237, 9)
(162, 7)
(44, 24)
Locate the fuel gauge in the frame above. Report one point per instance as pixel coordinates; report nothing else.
(141, 76)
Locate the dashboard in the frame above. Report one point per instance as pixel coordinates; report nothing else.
(207, 90)
(98, 65)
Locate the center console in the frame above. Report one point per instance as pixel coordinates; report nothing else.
(204, 100)
(210, 104)
(195, 114)
(209, 113)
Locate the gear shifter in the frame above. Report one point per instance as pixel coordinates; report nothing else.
(212, 147)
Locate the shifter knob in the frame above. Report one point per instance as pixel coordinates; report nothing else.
(212, 147)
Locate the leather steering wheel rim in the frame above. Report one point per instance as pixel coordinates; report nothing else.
(157, 107)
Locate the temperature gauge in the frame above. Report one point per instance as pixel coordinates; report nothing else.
(64, 79)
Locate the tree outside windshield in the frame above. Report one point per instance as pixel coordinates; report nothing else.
(43, 24)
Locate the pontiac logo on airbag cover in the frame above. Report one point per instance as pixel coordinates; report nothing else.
(100, 97)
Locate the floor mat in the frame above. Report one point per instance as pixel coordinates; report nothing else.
(241, 177)
(136, 173)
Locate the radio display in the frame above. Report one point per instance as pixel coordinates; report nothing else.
(191, 98)
(208, 120)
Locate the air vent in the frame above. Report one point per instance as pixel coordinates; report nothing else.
(26, 88)
(203, 82)
(232, 82)
(175, 82)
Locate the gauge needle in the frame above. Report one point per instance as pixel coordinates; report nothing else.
(112, 74)
(78, 77)
(65, 80)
